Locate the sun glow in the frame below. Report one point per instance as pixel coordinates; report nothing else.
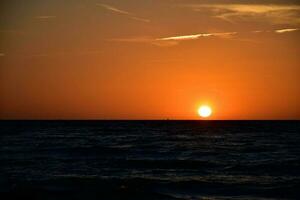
(204, 111)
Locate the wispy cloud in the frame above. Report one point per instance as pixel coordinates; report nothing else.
(133, 39)
(196, 36)
(276, 14)
(280, 31)
(10, 31)
(122, 12)
(145, 40)
(287, 30)
(45, 17)
(174, 40)
(140, 19)
(113, 9)
(184, 37)
(75, 53)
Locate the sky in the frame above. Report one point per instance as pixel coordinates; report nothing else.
(149, 59)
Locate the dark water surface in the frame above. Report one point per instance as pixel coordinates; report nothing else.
(150, 160)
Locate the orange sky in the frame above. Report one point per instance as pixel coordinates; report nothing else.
(149, 59)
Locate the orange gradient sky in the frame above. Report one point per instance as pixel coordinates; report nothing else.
(149, 59)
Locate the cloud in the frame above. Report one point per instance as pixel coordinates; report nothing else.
(10, 31)
(133, 39)
(122, 12)
(184, 37)
(276, 14)
(287, 30)
(113, 9)
(140, 19)
(196, 36)
(175, 40)
(45, 17)
(77, 53)
(280, 31)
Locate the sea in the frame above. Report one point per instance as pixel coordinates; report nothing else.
(152, 160)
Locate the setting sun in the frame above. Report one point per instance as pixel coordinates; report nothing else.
(204, 111)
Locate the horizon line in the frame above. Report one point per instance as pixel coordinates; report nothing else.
(149, 119)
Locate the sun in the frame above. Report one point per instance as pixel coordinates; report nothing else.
(204, 111)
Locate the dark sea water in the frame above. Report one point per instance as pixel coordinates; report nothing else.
(150, 160)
